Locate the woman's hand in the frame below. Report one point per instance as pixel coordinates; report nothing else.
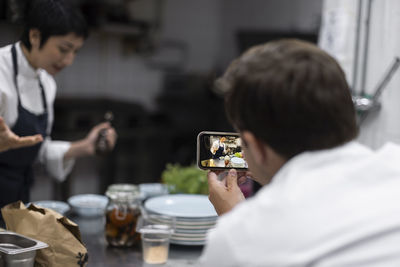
(87, 146)
(109, 133)
(9, 140)
(224, 194)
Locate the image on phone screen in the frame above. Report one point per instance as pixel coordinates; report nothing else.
(220, 150)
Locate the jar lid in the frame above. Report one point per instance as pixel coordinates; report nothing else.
(123, 192)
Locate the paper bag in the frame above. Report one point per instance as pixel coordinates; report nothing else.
(62, 235)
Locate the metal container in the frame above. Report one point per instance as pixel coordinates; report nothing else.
(18, 250)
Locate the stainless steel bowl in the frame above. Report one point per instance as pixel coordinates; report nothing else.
(18, 250)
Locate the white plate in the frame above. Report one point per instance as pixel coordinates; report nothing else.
(238, 162)
(200, 222)
(181, 205)
(88, 205)
(192, 228)
(58, 206)
(188, 243)
(177, 235)
(191, 231)
(189, 239)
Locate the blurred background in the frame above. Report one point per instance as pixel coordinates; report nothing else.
(153, 63)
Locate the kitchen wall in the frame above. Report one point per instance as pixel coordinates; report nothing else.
(197, 38)
(266, 15)
(206, 29)
(375, 57)
(104, 69)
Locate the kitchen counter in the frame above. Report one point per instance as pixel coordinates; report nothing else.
(100, 255)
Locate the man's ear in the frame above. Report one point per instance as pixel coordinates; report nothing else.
(34, 38)
(255, 146)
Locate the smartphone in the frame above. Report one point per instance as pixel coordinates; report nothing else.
(220, 151)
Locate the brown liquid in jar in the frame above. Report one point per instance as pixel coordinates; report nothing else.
(121, 227)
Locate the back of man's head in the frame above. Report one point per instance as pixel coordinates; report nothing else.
(291, 95)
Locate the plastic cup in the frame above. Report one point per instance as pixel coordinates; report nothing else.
(155, 239)
(155, 248)
(155, 243)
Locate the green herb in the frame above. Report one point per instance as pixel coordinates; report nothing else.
(188, 180)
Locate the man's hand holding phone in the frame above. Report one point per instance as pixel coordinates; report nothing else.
(225, 194)
(227, 170)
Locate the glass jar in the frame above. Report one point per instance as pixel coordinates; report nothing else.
(122, 213)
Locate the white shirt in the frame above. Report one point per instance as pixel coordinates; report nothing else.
(216, 145)
(52, 152)
(330, 208)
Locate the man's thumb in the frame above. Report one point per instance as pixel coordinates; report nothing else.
(231, 179)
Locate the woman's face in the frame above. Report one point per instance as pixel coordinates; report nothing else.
(56, 53)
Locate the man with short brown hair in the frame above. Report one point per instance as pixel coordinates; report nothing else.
(326, 200)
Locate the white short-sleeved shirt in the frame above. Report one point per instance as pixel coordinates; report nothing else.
(52, 152)
(330, 208)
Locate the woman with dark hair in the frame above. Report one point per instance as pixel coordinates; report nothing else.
(53, 32)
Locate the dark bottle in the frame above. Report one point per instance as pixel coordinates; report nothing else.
(102, 145)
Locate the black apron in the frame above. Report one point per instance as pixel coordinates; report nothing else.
(219, 152)
(16, 173)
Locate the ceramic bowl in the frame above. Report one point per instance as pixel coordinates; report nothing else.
(88, 205)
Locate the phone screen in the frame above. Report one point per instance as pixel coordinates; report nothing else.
(220, 150)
